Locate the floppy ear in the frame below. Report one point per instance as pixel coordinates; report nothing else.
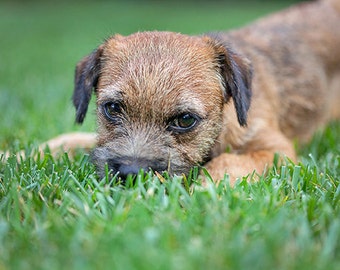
(236, 73)
(86, 78)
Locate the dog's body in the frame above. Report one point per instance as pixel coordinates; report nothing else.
(168, 101)
(296, 84)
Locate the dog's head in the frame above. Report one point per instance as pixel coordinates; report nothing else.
(160, 98)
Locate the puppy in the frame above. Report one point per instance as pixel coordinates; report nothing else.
(168, 102)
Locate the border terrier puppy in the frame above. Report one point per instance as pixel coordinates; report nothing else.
(168, 102)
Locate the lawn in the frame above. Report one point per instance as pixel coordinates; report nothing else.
(57, 214)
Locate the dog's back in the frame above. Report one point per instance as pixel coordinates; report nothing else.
(296, 59)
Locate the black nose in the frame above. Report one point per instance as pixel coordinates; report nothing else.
(130, 169)
(132, 166)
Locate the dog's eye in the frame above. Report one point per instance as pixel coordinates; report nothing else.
(184, 122)
(111, 109)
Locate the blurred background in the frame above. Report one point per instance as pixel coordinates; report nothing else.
(41, 42)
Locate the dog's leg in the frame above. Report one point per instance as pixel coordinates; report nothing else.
(239, 165)
(68, 142)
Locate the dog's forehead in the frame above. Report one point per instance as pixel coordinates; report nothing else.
(156, 58)
(158, 66)
(156, 44)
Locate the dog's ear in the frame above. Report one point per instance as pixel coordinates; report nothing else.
(86, 78)
(236, 73)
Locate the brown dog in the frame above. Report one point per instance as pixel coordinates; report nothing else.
(167, 101)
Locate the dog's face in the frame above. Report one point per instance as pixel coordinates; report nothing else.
(160, 99)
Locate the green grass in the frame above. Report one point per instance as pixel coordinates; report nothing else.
(57, 214)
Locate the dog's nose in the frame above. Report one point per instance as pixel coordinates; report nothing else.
(132, 166)
(130, 169)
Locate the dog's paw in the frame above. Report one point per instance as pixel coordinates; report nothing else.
(238, 166)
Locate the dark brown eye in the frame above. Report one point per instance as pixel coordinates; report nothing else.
(183, 122)
(112, 109)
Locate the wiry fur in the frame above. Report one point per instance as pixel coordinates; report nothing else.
(284, 69)
(252, 90)
(157, 76)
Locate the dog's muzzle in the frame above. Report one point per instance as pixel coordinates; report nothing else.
(126, 166)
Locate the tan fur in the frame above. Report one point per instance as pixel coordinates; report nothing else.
(296, 90)
(289, 61)
(156, 75)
